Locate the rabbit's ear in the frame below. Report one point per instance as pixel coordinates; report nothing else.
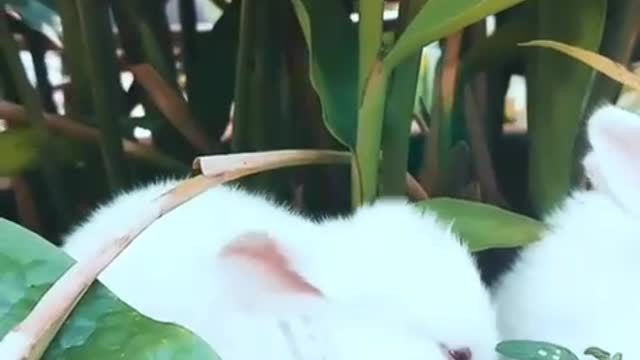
(257, 273)
(613, 164)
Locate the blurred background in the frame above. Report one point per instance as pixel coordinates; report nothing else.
(99, 96)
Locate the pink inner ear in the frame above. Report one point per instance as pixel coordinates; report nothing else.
(260, 250)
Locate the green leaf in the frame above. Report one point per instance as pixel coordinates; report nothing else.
(597, 353)
(534, 350)
(554, 121)
(21, 151)
(333, 48)
(439, 18)
(23, 147)
(484, 226)
(40, 16)
(498, 49)
(100, 327)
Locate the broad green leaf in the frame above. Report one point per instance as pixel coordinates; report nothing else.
(333, 49)
(40, 16)
(370, 37)
(484, 226)
(100, 327)
(558, 88)
(534, 350)
(439, 18)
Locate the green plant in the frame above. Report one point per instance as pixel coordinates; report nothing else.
(539, 350)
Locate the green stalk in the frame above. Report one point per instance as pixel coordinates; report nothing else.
(156, 39)
(370, 119)
(242, 109)
(188, 25)
(364, 167)
(38, 50)
(369, 39)
(79, 105)
(107, 94)
(31, 101)
(397, 124)
(399, 109)
(554, 121)
(8, 89)
(262, 118)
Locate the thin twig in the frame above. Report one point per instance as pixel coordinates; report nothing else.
(484, 166)
(415, 190)
(172, 105)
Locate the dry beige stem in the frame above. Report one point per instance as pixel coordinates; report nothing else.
(612, 69)
(172, 105)
(216, 164)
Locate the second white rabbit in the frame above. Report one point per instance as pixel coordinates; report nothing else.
(579, 286)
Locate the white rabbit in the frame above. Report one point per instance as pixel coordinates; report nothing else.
(579, 285)
(256, 280)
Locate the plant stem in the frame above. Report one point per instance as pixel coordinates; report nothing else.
(104, 75)
(397, 121)
(188, 25)
(398, 110)
(78, 98)
(37, 44)
(262, 119)
(243, 74)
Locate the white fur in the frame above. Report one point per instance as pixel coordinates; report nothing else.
(578, 286)
(395, 283)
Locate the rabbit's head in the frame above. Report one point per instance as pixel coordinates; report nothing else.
(560, 289)
(389, 281)
(613, 162)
